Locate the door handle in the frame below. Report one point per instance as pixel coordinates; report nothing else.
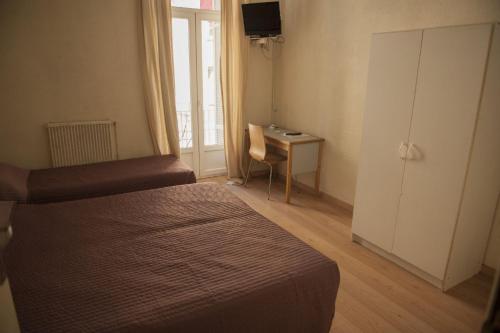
(403, 150)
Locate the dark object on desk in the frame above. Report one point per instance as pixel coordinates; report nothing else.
(190, 258)
(293, 133)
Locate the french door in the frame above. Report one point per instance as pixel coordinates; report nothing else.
(196, 49)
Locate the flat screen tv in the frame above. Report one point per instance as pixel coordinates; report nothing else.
(262, 19)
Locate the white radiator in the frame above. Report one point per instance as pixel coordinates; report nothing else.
(83, 142)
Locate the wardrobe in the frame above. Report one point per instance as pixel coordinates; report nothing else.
(429, 171)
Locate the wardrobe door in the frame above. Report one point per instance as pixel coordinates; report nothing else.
(392, 77)
(449, 85)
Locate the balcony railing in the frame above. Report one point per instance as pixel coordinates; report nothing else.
(185, 128)
(213, 126)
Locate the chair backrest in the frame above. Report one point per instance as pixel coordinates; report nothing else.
(257, 142)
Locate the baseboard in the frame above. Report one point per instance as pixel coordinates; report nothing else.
(407, 266)
(327, 197)
(212, 175)
(308, 189)
(337, 202)
(488, 271)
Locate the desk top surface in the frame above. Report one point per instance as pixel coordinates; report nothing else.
(279, 135)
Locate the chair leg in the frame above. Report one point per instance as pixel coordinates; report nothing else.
(248, 171)
(270, 180)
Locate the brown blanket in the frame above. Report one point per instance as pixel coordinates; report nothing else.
(190, 258)
(93, 180)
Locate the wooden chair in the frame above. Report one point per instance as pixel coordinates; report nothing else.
(259, 153)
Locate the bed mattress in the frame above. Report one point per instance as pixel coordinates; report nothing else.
(191, 258)
(93, 180)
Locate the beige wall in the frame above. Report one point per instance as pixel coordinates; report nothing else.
(258, 87)
(259, 84)
(79, 60)
(69, 60)
(322, 71)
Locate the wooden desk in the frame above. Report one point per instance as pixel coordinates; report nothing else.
(275, 137)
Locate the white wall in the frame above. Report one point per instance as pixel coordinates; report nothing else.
(69, 60)
(322, 71)
(258, 87)
(76, 60)
(258, 93)
(65, 60)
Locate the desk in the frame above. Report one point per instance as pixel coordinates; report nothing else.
(275, 137)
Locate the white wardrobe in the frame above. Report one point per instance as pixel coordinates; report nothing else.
(429, 173)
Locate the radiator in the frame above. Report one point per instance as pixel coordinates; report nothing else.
(76, 143)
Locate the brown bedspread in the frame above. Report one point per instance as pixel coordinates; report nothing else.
(190, 258)
(93, 180)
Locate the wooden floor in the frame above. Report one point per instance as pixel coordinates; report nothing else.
(375, 295)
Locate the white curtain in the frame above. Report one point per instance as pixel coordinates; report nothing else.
(159, 76)
(234, 46)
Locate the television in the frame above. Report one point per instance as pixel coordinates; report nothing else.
(262, 19)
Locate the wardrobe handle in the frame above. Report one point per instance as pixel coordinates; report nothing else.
(413, 152)
(403, 150)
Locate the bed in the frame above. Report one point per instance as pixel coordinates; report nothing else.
(190, 258)
(92, 180)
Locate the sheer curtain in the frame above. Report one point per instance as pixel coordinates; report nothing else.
(159, 76)
(233, 74)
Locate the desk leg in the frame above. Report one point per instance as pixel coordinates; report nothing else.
(318, 168)
(288, 190)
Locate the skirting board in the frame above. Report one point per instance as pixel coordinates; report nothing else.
(331, 199)
(407, 266)
(488, 271)
(304, 187)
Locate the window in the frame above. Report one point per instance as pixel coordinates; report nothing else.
(196, 53)
(212, 103)
(197, 4)
(182, 74)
